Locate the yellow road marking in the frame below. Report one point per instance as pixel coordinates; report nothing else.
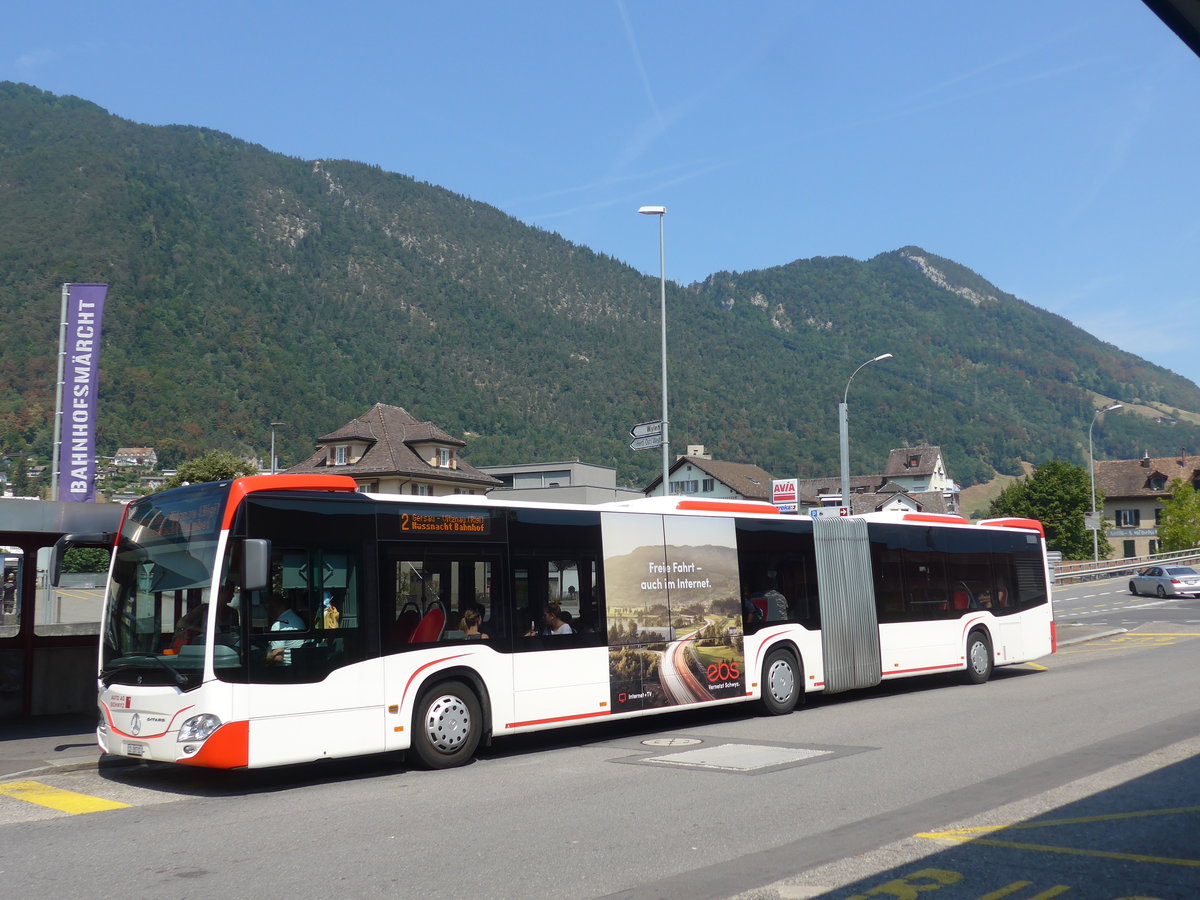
(969, 835)
(1038, 667)
(54, 798)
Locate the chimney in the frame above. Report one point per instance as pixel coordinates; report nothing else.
(1146, 460)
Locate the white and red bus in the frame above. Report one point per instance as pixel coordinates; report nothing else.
(344, 623)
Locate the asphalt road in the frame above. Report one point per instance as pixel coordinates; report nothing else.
(1088, 758)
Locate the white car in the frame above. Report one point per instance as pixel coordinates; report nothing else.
(1166, 581)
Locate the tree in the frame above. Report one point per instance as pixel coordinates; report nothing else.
(215, 465)
(1179, 522)
(85, 559)
(1057, 494)
(20, 477)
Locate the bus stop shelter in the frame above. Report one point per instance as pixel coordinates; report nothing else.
(48, 637)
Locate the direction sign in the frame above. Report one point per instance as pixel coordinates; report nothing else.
(649, 442)
(829, 512)
(646, 429)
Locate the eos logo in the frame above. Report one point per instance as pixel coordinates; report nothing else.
(723, 672)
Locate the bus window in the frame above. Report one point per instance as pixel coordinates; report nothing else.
(777, 570)
(557, 587)
(433, 594)
(310, 620)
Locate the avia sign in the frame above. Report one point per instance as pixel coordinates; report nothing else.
(783, 490)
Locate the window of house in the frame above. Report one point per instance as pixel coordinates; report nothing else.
(340, 454)
(1128, 518)
(421, 490)
(444, 457)
(368, 487)
(709, 485)
(685, 487)
(914, 461)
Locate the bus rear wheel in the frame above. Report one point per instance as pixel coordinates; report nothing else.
(979, 658)
(447, 725)
(782, 683)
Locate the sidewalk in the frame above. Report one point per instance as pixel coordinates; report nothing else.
(49, 743)
(30, 746)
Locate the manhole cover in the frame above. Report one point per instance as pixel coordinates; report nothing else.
(672, 742)
(739, 757)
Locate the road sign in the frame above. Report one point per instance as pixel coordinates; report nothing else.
(646, 429)
(650, 442)
(829, 512)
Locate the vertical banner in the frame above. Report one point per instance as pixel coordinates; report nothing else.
(81, 368)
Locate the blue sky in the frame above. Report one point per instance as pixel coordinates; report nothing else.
(1049, 146)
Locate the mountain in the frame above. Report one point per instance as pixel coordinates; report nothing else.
(249, 287)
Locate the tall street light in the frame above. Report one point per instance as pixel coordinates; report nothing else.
(844, 431)
(274, 425)
(661, 212)
(1092, 470)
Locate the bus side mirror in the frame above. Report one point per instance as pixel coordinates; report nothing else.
(67, 541)
(256, 564)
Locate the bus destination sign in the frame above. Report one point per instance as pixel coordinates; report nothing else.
(446, 522)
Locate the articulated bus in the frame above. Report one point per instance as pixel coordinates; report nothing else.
(287, 618)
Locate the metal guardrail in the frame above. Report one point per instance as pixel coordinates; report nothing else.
(1086, 570)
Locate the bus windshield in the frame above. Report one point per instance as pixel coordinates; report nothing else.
(163, 570)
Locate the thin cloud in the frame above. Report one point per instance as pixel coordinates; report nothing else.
(37, 59)
(631, 39)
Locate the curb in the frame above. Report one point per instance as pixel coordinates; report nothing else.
(102, 761)
(1091, 637)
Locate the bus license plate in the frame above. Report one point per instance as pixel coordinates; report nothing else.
(135, 749)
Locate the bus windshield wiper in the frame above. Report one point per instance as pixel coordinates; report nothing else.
(179, 678)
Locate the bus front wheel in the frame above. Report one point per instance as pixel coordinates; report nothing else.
(447, 725)
(979, 658)
(782, 683)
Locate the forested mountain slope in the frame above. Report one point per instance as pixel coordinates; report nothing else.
(249, 287)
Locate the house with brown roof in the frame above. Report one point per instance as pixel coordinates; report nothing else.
(919, 469)
(914, 480)
(1132, 491)
(699, 475)
(387, 450)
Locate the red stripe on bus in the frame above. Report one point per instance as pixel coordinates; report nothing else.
(140, 737)
(253, 483)
(574, 718)
(935, 517)
(922, 669)
(1032, 524)
(746, 506)
(421, 669)
(227, 748)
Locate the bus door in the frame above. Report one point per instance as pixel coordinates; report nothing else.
(439, 610)
(311, 658)
(560, 664)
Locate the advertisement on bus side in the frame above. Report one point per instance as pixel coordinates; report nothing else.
(674, 612)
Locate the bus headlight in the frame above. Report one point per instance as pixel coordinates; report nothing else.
(199, 728)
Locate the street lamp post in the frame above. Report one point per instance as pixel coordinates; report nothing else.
(274, 425)
(1092, 471)
(844, 431)
(661, 212)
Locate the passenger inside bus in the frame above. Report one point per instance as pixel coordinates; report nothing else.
(283, 618)
(553, 623)
(469, 625)
(192, 626)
